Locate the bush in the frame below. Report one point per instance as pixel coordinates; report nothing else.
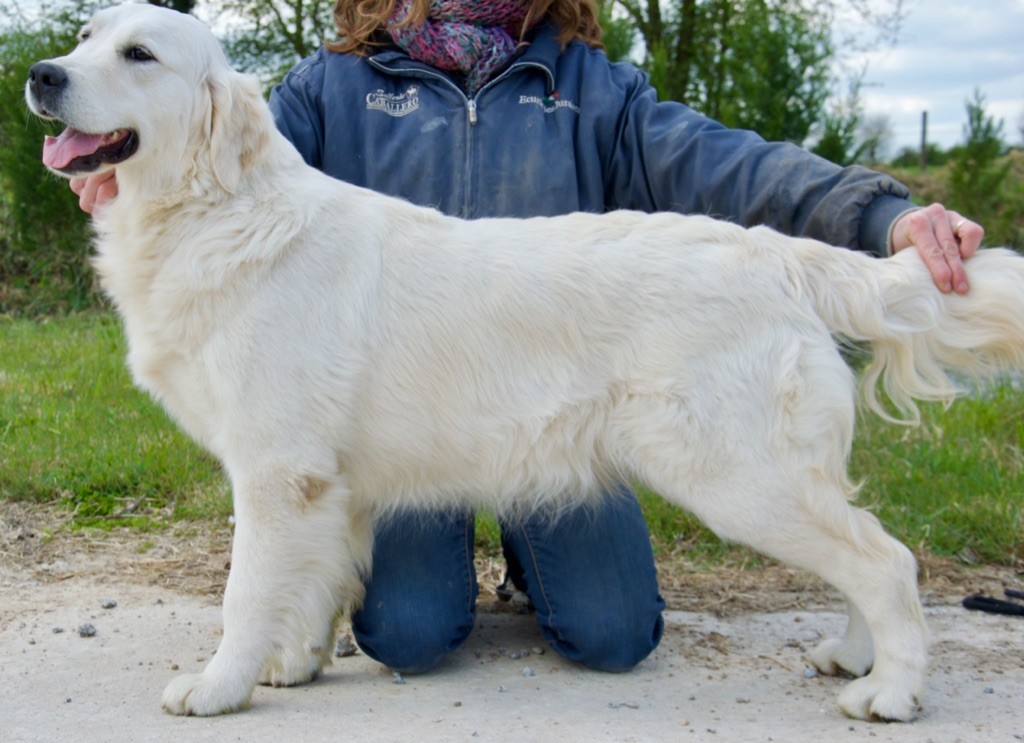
(979, 177)
(44, 240)
(910, 157)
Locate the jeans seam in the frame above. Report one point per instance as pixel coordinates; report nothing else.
(540, 581)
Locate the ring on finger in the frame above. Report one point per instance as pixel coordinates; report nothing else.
(961, 223)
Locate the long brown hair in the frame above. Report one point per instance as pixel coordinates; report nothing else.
(360, 22)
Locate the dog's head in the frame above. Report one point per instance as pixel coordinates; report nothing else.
(148, 90)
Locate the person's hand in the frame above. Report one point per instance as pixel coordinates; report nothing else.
(945, 239)
(95, 190)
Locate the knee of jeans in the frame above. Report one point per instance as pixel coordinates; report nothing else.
(608, 646)
(411, 649)
(407, 659)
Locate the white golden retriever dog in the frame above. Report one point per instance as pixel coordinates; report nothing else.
(344, 353)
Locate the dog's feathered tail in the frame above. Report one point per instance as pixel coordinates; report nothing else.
(923, 342)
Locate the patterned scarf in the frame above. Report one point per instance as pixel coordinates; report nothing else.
(474, 37)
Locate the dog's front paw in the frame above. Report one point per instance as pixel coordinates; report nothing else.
(873, 699)
(835, 657)
(194, 694)
(292, 669)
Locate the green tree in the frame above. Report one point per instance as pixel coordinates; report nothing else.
(845, 135)
(975, 173)
(617, 32)
(771, 72)
(978, 177)
(267, 37)
(839, 127)
(44, 240)
(753, 64)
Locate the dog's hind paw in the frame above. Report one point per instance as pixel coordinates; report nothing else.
(873, 699)
(193, 694)
(835, 657)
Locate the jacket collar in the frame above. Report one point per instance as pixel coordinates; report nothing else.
(541, 54)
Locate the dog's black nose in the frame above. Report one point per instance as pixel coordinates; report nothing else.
(46, 79)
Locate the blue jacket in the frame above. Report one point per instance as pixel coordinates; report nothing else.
(562, 131)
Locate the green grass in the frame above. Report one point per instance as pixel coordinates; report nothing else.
(953, 486)
(73, 430)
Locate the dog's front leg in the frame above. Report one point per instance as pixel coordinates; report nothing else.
(296, 559)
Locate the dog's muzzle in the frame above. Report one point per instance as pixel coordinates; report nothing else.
(47, 83)
(74, 152)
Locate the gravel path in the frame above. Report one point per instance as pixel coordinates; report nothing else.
(723, 672)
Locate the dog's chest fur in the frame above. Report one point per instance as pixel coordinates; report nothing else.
(172, 307)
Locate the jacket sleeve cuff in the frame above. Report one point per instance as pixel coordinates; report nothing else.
(878, 220)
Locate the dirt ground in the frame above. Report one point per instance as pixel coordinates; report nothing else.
(732, 666)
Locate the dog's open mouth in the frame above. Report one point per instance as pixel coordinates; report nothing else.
(75, 152)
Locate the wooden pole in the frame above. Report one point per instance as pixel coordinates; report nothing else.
(924, 140)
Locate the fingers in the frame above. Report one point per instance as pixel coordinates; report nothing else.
(948, 261)
(970, 233)
(944, 239)
(95, 190)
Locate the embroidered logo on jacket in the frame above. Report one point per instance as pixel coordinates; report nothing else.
(549, 103)
(394, 105)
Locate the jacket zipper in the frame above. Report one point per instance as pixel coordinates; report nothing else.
(471, 110)
(471, 102)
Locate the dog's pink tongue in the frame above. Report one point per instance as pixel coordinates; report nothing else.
(59, 151)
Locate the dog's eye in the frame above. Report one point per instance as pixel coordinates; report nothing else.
(138, 54)
(83, 35)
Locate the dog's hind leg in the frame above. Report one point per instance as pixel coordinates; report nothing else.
(848, 548)
(807, 522)
(296, 559)
(879, 577)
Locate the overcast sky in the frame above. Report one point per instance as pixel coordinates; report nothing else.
(946, 49)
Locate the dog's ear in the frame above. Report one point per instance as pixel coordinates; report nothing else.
(236, 126)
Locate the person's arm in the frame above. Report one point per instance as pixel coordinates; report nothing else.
(669, 157)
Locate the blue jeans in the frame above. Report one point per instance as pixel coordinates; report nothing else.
(590, 575)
